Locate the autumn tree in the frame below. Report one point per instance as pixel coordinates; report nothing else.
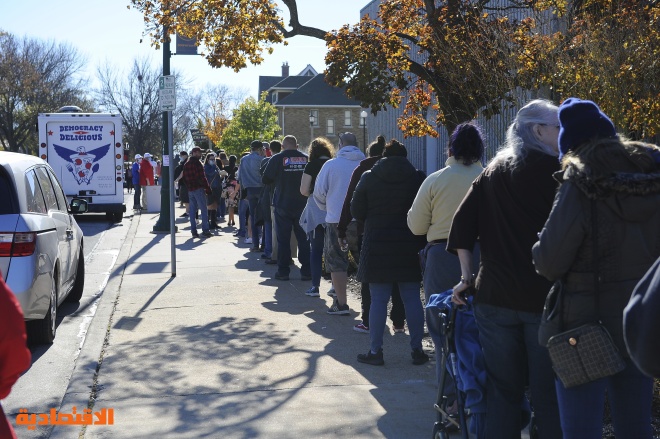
(608, 52)
(36, 77)
(449, 60)
(252, 120)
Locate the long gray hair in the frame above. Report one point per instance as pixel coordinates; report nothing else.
(520, 136)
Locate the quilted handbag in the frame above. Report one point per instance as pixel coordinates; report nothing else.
(584, 354)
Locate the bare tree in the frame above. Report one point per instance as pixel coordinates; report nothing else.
(37, 77)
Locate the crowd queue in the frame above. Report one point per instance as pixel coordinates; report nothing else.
(566, 200)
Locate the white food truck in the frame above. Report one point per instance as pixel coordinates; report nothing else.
(87, 154)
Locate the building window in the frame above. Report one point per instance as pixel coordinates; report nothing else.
(331, 127)
(315, 114)
(347, 118)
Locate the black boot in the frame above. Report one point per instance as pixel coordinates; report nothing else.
(213, 216)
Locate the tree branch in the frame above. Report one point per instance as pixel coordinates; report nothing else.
(296, 27)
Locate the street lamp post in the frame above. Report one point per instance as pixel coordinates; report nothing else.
(312, 119)
(363, 115)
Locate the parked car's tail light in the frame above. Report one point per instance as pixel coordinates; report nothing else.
(17, 244)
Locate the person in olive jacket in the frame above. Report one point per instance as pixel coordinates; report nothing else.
(616, 184)
(389, 253)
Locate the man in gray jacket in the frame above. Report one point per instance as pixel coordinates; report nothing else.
(250, 180)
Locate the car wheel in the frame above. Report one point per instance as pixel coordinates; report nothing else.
(79, 283)
(119, 216)
(43, 331)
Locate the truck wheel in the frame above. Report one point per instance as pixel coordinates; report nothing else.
(43, 331)
(79, 283)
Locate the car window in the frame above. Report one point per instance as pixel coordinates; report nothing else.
(35, 199)
(8, 202)
(59, 193)
(47, 189)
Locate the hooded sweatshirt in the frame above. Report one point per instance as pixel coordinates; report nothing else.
(332, 182)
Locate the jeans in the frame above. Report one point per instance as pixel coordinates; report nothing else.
(198, 201)
(253, 200)
(222, 208)
(630, 394)
(243, 206)
(380, 296)
(136, 197)
(441, 272)
(285, 222)
(268, 238)
(316, 239)
(514, 358)
(397, 313)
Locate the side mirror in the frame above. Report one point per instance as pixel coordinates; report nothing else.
(78, 206)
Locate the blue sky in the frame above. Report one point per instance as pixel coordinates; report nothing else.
(106, 30)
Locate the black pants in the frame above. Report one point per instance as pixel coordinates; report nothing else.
(136, 197)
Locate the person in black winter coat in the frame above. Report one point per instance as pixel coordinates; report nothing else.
(389, 253)
(608, 198)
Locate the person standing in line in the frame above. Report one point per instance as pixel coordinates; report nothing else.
(128, 177)
(146, 177)
(135, 170)
(398, 313)
(381, 200)
(198, 188)
(505, 207)
(184, 199)
(157, 171)
(434, 207)
(329, 193)
(222, 204)
(251, 181)
(602, 235)
(270, 248)
(312, 219)
(285, 170)
(214, 176)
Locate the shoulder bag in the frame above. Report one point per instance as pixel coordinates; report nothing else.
(586, 353)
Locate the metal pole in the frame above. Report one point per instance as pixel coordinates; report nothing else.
(170, 141)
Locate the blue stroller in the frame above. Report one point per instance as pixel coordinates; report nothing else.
(462, 372)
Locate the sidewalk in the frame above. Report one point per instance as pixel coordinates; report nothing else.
(224, 351)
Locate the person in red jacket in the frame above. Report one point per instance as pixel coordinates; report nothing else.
(146, 177)
(14, 354)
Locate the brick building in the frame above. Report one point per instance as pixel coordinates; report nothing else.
(308, 107)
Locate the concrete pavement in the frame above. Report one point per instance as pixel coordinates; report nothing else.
(222, 350)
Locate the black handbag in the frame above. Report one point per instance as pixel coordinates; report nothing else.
(585, 353)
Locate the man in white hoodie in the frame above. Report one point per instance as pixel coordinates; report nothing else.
(329, 193)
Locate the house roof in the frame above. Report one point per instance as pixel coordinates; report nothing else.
(317, 92)
(291, 82)
(266, 82)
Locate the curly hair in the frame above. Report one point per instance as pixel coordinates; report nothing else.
(320, 147)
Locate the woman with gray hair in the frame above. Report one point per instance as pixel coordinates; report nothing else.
(505, 208)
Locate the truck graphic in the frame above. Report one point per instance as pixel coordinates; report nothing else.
(86, 152)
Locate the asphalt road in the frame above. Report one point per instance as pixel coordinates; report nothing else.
(44, 384)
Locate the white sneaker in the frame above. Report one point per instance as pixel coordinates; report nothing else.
(248, 240)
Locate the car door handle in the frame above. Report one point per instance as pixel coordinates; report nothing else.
(69, 233)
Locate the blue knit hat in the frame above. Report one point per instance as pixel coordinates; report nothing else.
(579, 122)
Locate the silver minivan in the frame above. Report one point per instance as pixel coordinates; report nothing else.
(41, 245)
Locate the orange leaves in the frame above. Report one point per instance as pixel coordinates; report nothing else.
(230, 33)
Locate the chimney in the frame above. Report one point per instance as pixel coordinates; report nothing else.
(285, 69)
